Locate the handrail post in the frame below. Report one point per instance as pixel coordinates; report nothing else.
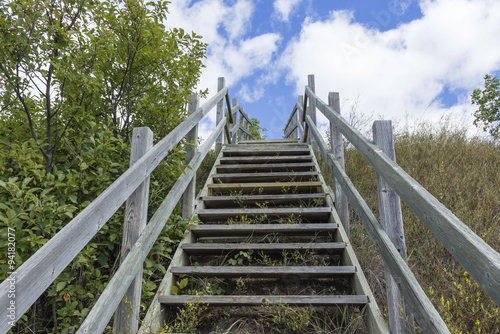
(337, 147)
(312, 102)
(391, 218)
(192, 136)
(299, 118)
(235, 119)
(295, 124)
(221, 83)
(136, 214)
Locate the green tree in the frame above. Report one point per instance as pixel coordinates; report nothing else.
(257, 130)
(488, 101)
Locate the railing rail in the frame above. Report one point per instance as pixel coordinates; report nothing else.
(34, 276)
(480, 260)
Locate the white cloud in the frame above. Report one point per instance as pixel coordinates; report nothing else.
(402, 70)
(283, 8)
(230, 54)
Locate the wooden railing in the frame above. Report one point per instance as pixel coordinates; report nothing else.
(480, 260)
(34, 276)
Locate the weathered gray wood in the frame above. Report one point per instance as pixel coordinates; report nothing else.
(264, 177)
(99, 316)
(234, 113)
(136, 215)
(280, 152)
(155, 316)
(301, 166)
(245, 116)
(312, 102)
(275, 187)
(259, 300)
(221, 83)
(253, 229)
(268, 248)
(272, 200)
(191, 139)
(319, 213)
(427, 316)
(300, 272)
(300, 110)
(337, 146)
(33, 277)
(244, 129)
(265, 159)
(480, 260)
(269, 141)
(391, 218)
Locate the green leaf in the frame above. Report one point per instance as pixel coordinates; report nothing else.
(60, 286)
(183, 283)
(175, 290)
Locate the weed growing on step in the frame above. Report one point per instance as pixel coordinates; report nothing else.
(189, 317)
(289, 319)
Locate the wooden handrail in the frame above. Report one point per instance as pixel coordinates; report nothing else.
(103, 310)
(35, 275)
(480, 260)
(427, 316)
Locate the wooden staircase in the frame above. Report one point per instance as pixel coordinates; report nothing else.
(269, 234)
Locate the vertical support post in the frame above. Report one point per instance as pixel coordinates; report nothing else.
(400, 318)
(337, 146)
(192, 136)
(295, 124)
(234, 103)
(299, 117)
(312, 102)
(136, 214)
(221, 83)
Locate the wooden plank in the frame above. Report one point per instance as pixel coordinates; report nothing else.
(332, 300)
(337, 145)
(266, 188)
(136, 217)
(300, 272)
(33, 278)
(102, 311)
(391, 218)
(252, 152)
(264, 177)
(319, 213)
(192, 140)
(269, 141)
(270, 248)
(221, 82)
(427, 316)
(231, 201)
(155, 316)
(266, 159)
(480, 260)
(255, 229)
(301, 166)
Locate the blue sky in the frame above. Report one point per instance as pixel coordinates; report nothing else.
(407, 60)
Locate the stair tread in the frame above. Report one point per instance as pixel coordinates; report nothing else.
(266, 158)
(302, 272)
(274, 151)
(218, 201)
(241, 177)
(219, 248)
(238, 229)
(274, 187)
(244, 300)
(271, 167)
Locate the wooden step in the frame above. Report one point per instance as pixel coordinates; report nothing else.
(269, 141)
(266, 188)
(309, 214)
(268, 248)
(271, 200)
(260, 229)
(252, 152)
(265, 159)
(278, 167)
(259, 300)
(264, 177)
(301, 272)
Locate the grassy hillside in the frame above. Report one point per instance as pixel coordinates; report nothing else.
(464, 174)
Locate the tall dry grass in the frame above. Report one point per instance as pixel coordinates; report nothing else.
(464, 174)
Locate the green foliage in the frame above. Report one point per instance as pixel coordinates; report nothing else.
(488, 101)
(257, 130)
(75, 78)
(462, 173)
